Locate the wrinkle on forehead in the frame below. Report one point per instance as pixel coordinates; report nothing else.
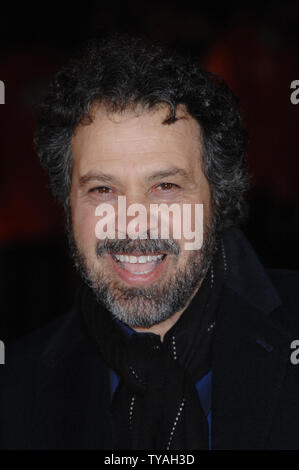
(111, 131)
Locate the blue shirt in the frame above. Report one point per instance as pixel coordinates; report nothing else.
(203, 387)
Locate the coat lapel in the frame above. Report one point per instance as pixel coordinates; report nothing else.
(251, 352)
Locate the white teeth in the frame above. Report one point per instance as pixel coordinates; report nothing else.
(137, 259)
(143, 272)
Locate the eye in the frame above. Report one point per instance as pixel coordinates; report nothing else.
(167, 186)
(100, 190)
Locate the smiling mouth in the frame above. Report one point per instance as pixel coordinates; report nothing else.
(139, 264)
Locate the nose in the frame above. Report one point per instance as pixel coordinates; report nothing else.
(133, 215)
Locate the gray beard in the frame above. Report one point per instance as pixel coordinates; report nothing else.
(148, 306)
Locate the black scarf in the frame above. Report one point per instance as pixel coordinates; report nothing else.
(156, 404)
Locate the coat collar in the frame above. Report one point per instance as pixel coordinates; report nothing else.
(246, 275)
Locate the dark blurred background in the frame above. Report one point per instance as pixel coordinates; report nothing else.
(254, 47)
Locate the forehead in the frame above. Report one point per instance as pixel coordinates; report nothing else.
(138, 137)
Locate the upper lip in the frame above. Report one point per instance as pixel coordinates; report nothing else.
(138, 254)
(147, 253)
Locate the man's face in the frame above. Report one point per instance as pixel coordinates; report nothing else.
(142, 281)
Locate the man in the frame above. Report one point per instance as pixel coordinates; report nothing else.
(166, 347)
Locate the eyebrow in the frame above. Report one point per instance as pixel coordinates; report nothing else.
(98, 176)
(105, 178)
(174, 171)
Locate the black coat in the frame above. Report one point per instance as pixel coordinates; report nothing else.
(54, 385)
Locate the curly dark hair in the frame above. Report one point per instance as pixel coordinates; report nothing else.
(121, 72)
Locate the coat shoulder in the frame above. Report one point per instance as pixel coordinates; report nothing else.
(22, 356)
(17, 380)
(286, 282)
(30, 347)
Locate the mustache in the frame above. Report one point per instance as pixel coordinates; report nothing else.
(138, 246)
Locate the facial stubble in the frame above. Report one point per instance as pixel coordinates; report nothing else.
(152, 304)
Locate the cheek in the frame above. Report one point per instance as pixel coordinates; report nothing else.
(84, 222)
